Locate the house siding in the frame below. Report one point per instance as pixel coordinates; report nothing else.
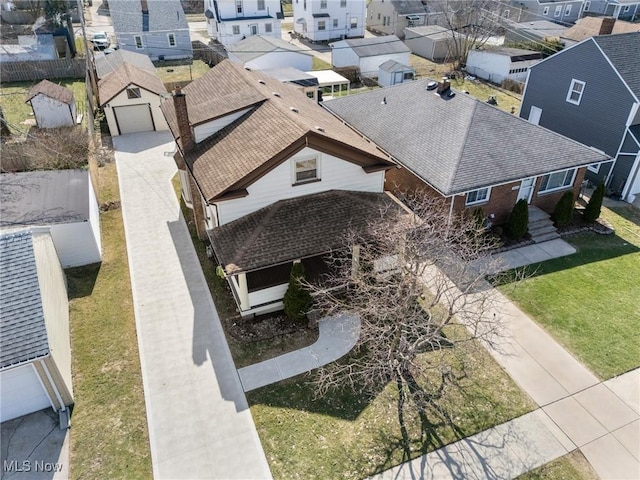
(601, 117)
(335, 174)
(532, 10)
(146, 98)
(352, 9)
(75, 244)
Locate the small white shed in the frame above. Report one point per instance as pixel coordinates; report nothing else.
(499, 64)
(263, 52)
(368, 54)
(53, 105)
(393, 73)
(60, 201)
(131, 97)
(432, 42)
(35, 347)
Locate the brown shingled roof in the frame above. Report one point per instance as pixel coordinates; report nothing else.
(126, 75)
(297, 228)
(51, 90)
(280, 122)
(590, 27)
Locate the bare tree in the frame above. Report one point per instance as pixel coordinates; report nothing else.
(417, 283)
(471, 23)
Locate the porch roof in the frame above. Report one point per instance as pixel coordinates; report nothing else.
(296, 228)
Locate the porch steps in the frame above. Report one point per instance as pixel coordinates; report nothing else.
(541, 226)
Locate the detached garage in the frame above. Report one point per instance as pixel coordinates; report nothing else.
(35, 349)
(130, 97)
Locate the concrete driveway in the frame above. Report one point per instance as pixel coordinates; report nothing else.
(200, 425)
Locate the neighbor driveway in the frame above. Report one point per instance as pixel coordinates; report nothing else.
(200, 425)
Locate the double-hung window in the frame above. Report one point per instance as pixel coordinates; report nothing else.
(557, 180)
(558, 11)
(235, 29)
(138, 40)
(171, 38)
(306, 170)
(478, 196)
(322, 25)
(575, 91)
(323, 4)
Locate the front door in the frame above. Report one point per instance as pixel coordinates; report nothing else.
(253, 29)
(526, 189)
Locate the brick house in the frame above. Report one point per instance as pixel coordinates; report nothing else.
(465, 150)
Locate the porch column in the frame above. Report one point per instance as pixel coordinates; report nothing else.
(355, 260)
(243, 291)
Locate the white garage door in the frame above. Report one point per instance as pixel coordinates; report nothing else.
(21, 392)
(134, 118)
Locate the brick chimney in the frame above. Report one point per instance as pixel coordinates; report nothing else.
(186, 140)
(606, 27)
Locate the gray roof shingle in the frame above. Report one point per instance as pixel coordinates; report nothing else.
(51, 90)
(44, 198)
(393, 66)
(23, 333)
(623, 50)
(107, 63)
(296, 228)
(410, 7)
(371, 47)
(256, 46)
(164, 15)
(459, 144)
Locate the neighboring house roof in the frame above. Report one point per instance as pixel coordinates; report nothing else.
(164, 16)
(281, 121)
(393, 66)
(434, 32)
(292, 75)
(44, 198)
(457, 144)
(410, 7)
(296, 228)
(126, 75)
(107, 63)
(542, 28)
(256, 46)
(371, 47)
(23, 333)
(51, 90)
(590, 26)
(622, 51)
(514, 54)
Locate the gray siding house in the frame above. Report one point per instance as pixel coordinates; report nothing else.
(391, 17)
(619, 9)
(561, 11)
(158, 29)
(591, 93)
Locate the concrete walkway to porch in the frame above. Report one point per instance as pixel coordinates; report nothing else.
(338, 335)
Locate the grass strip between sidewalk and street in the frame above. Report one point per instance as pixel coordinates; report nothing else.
(109, 434)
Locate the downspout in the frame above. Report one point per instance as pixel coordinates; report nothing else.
(53, 385)
(446, 233)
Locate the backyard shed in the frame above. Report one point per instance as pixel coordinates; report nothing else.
(35, 348)
(368, 54)
(53, 105)
(500, 64)
(61, 201)
(432, 42)
(393, 73)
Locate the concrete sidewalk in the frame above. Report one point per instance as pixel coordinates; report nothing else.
(200, 425)
(529, 254)
(337, 337)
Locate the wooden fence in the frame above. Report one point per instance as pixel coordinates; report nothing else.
(41, 69)
(208, 55)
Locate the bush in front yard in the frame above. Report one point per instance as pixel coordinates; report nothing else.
(563, 213)
(297, 299)
(592, 210)
(518, 221)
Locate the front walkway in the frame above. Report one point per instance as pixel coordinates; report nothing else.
(337, 337)
(200, 425)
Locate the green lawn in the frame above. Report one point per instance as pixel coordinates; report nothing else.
(109, 437)
(16, 111)
(589, 301)
(347, 436)
(319, 64)
(182, 73)
(572, 466)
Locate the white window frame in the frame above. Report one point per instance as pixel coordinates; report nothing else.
(594, 167)
(170, 37)
(558, 11)
(564, 186)
(239, 6)
(343, 3)
(322, 25)
(485, 198)
(268, 28)
(626, 9)
(587, 5)
(133, 92)
(567, 10)
(572, 90)
(323, 4)
(545, 11)
(335, 23)
(352, 23)
(295, 170)
(261, 5)
(506, 14)
(235, 29)
(138, 40)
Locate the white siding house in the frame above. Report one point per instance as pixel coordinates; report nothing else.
(368, 54)
(229, 21)
(497, 65)
(53, 105)
(61, 202)
(324, 20)
(35, 347)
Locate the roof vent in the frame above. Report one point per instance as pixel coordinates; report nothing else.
(293, 109)
(384, 101)
(319, 128)
(432, 85)
(261, 82)
(276, 94)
